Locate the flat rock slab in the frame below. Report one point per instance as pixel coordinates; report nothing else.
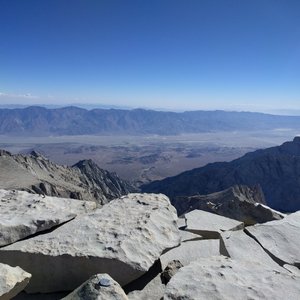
(190, 251)
(225, 278)
(210, 225)
(280, 238)
(12, 281)
(239, 246)
(23, 214)
(100, 286)
(122, 239)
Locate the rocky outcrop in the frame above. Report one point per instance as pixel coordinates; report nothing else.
(170, 270)
(135, 242)
(238, 202)
(225, 278)
(275, 169)
(209, 225)
(23, 214)
(12, 281)
(280, 238)
(239, 192)
(100, 286)
(36, 174)
(122, 239)
(251, 270)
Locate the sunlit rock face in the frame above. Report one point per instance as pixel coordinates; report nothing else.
(122, 239)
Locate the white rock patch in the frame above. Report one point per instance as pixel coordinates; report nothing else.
(23, 214)
(12, 281)
(122, 239)
(223, 278)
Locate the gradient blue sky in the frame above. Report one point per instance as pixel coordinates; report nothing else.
(188, 54)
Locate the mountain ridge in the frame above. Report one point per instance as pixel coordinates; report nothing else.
(275, 169)
(36, 174)
(72, 120)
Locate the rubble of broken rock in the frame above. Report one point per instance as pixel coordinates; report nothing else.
(136, 248)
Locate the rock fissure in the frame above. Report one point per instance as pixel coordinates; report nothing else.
(44, 232)
(107, 240)
(280, 262)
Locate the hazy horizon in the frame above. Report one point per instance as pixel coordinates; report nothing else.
(89, 106)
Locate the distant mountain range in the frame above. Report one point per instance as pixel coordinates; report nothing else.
(36, 174)
(276, 170)
(40, 121)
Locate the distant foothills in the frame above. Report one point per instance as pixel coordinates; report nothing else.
(72, 120)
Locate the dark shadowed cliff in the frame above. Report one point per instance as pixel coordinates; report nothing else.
(276, 170)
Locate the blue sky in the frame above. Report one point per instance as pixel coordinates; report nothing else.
(188, 54)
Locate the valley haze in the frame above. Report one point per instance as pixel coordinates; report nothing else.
(141, 145)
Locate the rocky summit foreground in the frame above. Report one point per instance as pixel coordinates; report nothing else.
(135, 248)
(225, 278)
(123, 239)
